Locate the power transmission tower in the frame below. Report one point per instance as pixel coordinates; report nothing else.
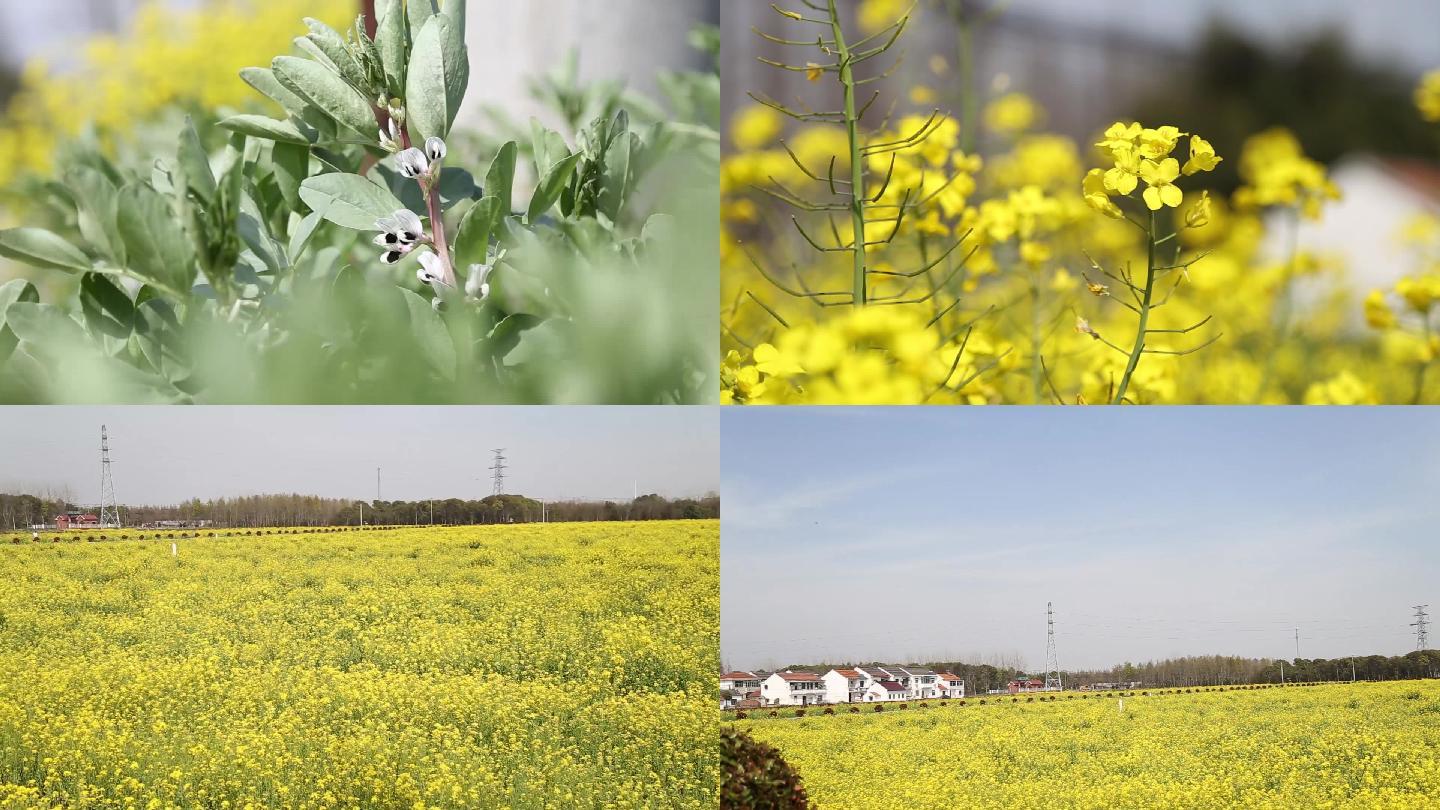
(109, 511)
(1420, 623)
(1052, 664)
(497, 471)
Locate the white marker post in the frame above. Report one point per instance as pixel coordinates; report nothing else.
(1122, 705)
(174, 550)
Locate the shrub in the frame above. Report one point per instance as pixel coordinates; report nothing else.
(754, 775)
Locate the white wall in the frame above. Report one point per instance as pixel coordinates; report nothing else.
(513, 40)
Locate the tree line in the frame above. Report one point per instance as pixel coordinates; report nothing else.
(20, 510)
(1206, 670)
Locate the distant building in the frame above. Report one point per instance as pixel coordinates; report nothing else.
(742, 686)
(76, 520)
(950, 685)
(882, 691)
(792, 689)
(846, 685)
(1025, 685)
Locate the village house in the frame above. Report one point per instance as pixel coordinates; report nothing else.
(950, 685)
(792, 689)
(742, 688)
(846, 686)
(882, 691)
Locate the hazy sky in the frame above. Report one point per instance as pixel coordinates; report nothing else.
(1398, 29)
(928, 534)
(166, 454)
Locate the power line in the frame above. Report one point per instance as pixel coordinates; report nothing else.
(497, 471)
(1052, 664)
(109, 510)
(1420, 623)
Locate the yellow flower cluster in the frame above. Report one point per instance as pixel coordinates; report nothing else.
(559, 665)
(1427, 96)
(167, 58)
(1276, 172)
(876, 355)
(1144, 154)
(1410, 334)
(1328, 745)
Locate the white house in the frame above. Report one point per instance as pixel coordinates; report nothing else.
(740, 681)
(950, 685)
(883, 691)
(741, 685)
(846, 686)
(792, 689)
(923, 682)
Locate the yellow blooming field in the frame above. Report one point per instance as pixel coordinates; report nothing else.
(1045, 270)
(166, 59)
(1325, 745)
(558, 665)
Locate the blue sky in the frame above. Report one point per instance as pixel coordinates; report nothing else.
(165, 454)
(916, 534)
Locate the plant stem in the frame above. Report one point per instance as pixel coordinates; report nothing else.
(1424, 366)
(857, 188)
(1141, 330)
(1037, 374)
(1285, 304)
(437, 223)
(437, 227)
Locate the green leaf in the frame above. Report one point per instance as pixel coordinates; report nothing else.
(300, 236)
(508, 332)
(264, 81)
(500, 180)
(329, 41)
(44, 325)
(258, 126)
(548, 145)
(456, 186)
(420, 11)
(472, 239)
(427, 103)
(291, 163)
(157, 247)
(390, 36)
(96, 202)
(349, 200)
(543, 343)
(325, 89)
(38, 247)
(457, 57)
(430, 332)
(455, 10)
(615, 185)
(551, 187)
(106, 307)
(12, 292)
(195, 163)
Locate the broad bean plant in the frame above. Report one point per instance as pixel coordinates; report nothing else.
(352, 248)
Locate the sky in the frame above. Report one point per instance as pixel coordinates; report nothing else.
(166, 454)
(1398, 29)
(911, 534)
